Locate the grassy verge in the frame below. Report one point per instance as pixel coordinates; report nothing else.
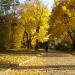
(7, 59)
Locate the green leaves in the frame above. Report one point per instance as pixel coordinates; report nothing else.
(1, 10)
(7, 1)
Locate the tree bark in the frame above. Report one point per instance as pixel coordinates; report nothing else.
(37, 42)
(30, 46)
(28, 39)
(27, 42)
(73, 41)
(73, 45)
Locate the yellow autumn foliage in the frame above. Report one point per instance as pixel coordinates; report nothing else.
(63, 21)
(35, 15)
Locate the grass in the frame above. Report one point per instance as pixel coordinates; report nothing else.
(7, 58)
(2, 70)
(15, 57)
(18, 57)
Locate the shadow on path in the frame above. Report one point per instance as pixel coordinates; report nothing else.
(54, 67)
(31, 51)
(53, 55)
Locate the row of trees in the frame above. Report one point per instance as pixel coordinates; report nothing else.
(37, 24)
(28, 30)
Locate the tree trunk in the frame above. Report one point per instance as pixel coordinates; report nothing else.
(37, 42)
(30, 46)
(27, 40)
(73, 41)
(73, 45)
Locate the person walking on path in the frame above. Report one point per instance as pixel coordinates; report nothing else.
(46, 46)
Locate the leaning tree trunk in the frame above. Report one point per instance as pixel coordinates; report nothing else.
(73, 45)
(28, 40)
(73, 41)
(66, 20)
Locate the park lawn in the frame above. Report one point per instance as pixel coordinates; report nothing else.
(2, 70)
(14, 58)
(10, 58)
(18, 58)
(7, 59)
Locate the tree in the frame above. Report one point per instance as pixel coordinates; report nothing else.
(6, 5)
(16, 34)
(5, 32)
(63, 23)
(11, 33)
(34, 19)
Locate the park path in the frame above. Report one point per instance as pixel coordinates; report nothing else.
(52, 63)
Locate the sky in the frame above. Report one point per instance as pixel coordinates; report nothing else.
(49, 3)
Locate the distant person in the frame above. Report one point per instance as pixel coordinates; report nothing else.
(46, 46)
